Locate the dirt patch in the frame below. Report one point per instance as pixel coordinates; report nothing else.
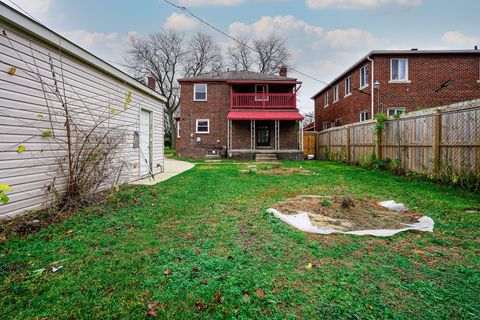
(275, 169)
(345, 213)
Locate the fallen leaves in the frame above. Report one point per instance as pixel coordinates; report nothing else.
(200, 306)
(309, 266)
(168, 272)
(152, 307)
(20, 149)
(260, 293)
(12, 70)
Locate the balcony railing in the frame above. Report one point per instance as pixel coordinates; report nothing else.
(263, 101)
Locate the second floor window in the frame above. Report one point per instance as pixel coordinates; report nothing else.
(399, 69)
(348, 86)
(325, 99)
(335, 93)
(364, 77)
(200, 92)
(261, 89)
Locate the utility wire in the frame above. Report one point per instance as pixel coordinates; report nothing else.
(185, 9)
(24, 11)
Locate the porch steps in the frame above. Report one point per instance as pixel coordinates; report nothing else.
(266, 157)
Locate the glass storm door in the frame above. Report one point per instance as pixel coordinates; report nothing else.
(263, 134)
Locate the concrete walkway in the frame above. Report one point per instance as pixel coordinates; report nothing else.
(172, 168)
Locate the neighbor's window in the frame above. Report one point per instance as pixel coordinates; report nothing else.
(203, 125)
(325, 126)
(364, 77)
(348, 86)
(200, 92)
(178, 129)
(363, 115)
(325, 99)
(335, 93)
(393, 111)
(399, 69)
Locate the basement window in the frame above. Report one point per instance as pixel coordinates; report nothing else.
(200, 92)
(203, 126)
(325, 126)
(391, 112)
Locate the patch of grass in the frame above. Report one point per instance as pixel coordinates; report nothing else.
(202, 246)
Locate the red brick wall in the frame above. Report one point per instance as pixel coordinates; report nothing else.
(215, 108)
(288, 135)
(426, 74)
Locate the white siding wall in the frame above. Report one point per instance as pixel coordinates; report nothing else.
(24, 115)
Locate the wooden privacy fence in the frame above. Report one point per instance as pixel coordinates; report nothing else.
(428, 141)
(309, 143)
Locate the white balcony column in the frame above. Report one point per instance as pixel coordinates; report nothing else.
(229, 134)
(300, 136)
(252, 135)
(277, 135)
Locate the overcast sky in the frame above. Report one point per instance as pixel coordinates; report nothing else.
(325, 36)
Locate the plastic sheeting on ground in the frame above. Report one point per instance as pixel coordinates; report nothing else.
(302, 222)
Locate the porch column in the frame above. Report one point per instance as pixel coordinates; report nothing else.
(300, 136)
(229, 134)
(252, 134)
(277, 135)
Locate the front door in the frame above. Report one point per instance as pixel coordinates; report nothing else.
(263, 133)
(145, 142)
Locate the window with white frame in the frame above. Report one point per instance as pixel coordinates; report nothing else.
(325, 125)
(178, 129)
(203, 125)
(364, 77)
(325, 99)
(391, 112)
(200, 92)
(399, 69)
(348, 86)
(260, 89)
(363, 115)
(335, 93)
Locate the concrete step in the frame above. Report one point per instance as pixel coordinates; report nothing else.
(265, 157)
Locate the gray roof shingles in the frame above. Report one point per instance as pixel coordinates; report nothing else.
(238, 76)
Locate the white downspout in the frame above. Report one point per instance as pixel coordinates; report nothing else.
(372, 94)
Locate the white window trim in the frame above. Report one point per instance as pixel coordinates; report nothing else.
(325, 95)
(178, 129)
(208, 126)
(406, 72)
(325, 125)
(345, 87)
(195, 92)
(360, 115)
(395, 109)
(336, 93)
(367, 82)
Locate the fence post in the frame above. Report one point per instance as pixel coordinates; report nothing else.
(348, 144)
(378, 144)
(437, 138)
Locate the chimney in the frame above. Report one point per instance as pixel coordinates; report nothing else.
(151, 82)
(476, 47)
(283, 71)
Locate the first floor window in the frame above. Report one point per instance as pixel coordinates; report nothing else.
(399, 69)
(200, 92)
(391, 112)
(335, 93)
(178, 129)
(363, 115)
(203, 125)
(325, 126)
(364, 77)
(348, 86)
(325, 99)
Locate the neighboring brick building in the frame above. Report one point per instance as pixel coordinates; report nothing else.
(240, 114)
(403, 81)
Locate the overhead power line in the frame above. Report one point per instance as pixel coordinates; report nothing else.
(246, 45)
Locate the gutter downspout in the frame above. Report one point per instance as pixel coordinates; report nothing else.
(372, 94)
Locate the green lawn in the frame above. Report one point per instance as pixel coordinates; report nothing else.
(202, 246)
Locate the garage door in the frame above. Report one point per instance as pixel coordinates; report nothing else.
(145, 142)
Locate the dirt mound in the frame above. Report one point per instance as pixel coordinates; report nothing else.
(333, 213)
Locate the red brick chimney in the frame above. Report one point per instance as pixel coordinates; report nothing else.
(283, 71)
(151, 82)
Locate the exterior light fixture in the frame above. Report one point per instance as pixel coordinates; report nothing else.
(444, 85)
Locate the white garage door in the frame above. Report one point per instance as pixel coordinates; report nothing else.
(145, 142)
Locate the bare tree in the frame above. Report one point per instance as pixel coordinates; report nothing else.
(261, 55)
(240, 56)
(160, 55)
(270, 54)
(308, 117)
(203, 56)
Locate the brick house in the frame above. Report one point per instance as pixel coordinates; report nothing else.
(403, 81)
(240, 114)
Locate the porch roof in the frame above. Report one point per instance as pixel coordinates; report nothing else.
(264, 115)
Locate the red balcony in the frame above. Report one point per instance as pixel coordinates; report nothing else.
(263, 101)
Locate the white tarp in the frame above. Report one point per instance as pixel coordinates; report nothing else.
(302, 222)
